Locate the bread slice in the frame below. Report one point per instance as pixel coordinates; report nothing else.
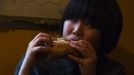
(60, 49)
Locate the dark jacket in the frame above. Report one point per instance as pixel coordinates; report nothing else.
(105, 66)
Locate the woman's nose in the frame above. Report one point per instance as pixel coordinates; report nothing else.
(78, 29)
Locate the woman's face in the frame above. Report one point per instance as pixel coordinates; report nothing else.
(78, 30)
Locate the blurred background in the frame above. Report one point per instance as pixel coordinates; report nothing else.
(13, 42)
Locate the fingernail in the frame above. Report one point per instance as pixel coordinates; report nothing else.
(73, 41)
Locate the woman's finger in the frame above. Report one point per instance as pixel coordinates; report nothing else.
(41, 35)
(42, 41)
(40, 49)
(75, 59)
(80, 50)
(77, 47)
(83, 48)
(89, 47)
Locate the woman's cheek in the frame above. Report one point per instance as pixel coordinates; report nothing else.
(67, 30)
(91, 35)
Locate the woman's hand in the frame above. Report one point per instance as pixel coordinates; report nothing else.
(37, 48)
(87, 59)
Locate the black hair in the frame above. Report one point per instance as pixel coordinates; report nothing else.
(105, 15)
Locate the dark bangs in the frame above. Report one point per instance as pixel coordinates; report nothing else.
(76, 9)
(80, 9)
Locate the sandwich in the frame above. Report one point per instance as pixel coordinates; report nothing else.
(60, 49)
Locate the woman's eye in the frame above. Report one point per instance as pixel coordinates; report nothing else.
(74, 20)
(87, 23)
(88, 26)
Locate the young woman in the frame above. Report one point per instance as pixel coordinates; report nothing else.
(92, 28)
